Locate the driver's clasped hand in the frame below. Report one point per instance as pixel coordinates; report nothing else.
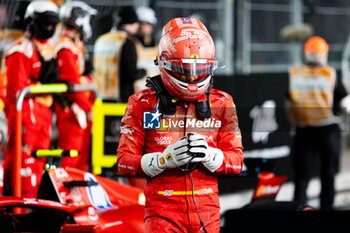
(193, 148)
(212, 158)
(175, 155)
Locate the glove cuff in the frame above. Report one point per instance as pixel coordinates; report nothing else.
(215, 160)
(150, 164)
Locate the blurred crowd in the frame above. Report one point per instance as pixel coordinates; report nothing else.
(47, 45)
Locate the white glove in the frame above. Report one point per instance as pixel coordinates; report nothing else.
(211, 158)
(175, 155)
(80, 115)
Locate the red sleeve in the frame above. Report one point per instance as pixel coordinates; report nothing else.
(68, 73)
(18, 68)
(230, 141)
(132, 140)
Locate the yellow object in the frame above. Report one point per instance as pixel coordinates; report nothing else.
(56, 153)
(48, 88)
(2, 105)
(182, 193)
(101, 110)
(161, 160)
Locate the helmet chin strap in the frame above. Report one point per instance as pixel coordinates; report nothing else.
(168, 107)
(202, 104)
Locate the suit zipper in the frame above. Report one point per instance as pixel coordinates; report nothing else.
(185, 118)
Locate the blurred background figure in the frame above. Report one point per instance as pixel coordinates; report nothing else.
(115, 58)
(129, 72)
(148, 20)
(147, 48)
(31, 60)
(9, 32)
(106, 61)
(73, 109)
(314, 90)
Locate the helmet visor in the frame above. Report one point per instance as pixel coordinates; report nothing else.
(189, 67)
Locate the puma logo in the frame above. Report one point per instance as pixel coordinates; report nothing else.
(145, 100)
(151, 163)
(222, 99)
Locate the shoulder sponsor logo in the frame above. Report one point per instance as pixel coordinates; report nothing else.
(126, 129)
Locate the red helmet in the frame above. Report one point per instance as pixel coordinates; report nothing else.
(186, 49)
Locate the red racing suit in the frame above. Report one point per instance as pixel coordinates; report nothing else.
(169, 199)
(23, 69)
(70, 60)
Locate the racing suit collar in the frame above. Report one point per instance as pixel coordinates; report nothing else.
(167, 103)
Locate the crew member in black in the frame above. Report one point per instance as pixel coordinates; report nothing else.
(128, 61)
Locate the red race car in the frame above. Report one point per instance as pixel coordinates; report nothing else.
(71, 200)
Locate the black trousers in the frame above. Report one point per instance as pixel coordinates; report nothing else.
(310, 142)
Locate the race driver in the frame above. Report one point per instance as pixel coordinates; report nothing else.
(31, 61)
(180, 133)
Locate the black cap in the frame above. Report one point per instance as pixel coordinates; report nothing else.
(127, 15)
